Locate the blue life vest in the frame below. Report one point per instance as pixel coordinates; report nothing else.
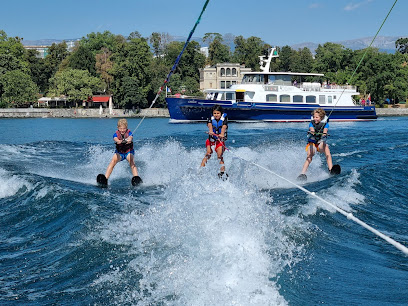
(217, 126)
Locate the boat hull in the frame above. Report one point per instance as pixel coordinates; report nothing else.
(185, 109)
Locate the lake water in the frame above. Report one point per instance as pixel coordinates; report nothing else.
(184, 237)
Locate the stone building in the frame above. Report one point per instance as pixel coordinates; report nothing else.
(222, 75)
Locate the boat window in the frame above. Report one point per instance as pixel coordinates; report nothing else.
(256, 78)
(228, 71)
(283, 80)
(310, 99)
(222, 71)
(272, 98)
(245, 79)
(322, 99)
(271, 79)
(298, 99)
(329, 99)
(230, 96)
(334, 97)
(250, 95)
(221, 96)
(284, 98)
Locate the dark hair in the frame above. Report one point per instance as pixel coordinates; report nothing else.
(217, 107)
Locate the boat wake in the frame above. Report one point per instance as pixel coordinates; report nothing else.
(183, 237)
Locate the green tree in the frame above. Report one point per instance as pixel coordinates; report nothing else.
(82, 58)
(286, 54)
(155, 40)
(12, 54)
(57, 53)
(247, 51)
(134, 35)
(77, 85)
(37, 70)
(186, 77)
(402, 45)
(132, 66)
(254, 48)
(217, 51)
(104, 66)
(331, 58)
(17, 89)
(301, 61)
(96, 41)
(240, 50)
(130, 94)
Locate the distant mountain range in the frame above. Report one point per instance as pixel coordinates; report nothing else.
(46, 42)
(383, 43)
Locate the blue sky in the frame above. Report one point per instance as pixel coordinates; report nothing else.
(276, 22)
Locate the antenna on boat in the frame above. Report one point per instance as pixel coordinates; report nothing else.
(264, 64)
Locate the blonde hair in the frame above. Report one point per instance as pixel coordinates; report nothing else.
(122, 122)
(320, 111)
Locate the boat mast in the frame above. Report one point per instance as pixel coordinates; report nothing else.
(264, 64)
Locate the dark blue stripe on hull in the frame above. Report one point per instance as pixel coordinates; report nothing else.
(193, 109)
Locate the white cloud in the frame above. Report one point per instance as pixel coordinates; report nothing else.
(353, 6)
(314, 5)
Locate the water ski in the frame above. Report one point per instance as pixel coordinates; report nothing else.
(102, 180)
(136, 180)
(302, 177)
(223, 176)
(336, 169)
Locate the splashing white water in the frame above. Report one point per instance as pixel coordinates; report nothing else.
(203, 241)
(10, 184)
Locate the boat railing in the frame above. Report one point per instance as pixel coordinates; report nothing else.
(185, 97)
(315, 86)
(335, 86)
(308, 86)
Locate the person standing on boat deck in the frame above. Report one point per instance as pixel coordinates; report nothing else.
(217, 134)
(318, 128)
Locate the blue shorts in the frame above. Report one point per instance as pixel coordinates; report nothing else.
(124, 155)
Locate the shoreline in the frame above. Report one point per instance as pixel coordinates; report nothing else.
(121, 113)
(82, 113)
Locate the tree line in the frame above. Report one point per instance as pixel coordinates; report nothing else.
(133, 68)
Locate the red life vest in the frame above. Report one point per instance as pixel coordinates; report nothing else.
(123, 147)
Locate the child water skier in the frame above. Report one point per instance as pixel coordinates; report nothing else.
(123, 139)
(317, 134)
(217, 134)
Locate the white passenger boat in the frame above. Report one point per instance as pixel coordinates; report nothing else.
(273, 96)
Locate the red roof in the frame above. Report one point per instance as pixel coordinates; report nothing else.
(98, 99)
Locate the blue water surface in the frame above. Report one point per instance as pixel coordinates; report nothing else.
(184, 237)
